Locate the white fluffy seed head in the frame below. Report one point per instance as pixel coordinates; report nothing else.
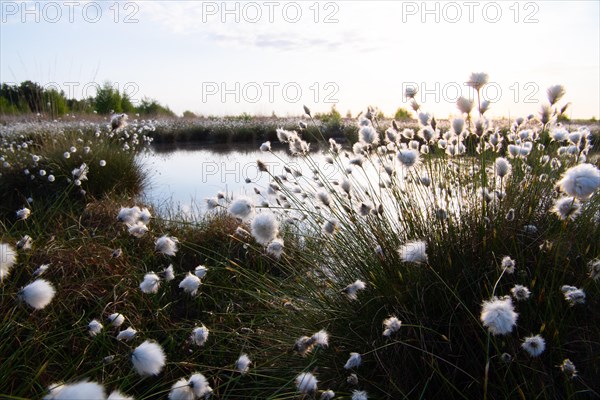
(499, 316)
(242, 365)
(116, 319)
(116, 395)
(181, 390)
(264, 228)
(200, 271)
(151, 283)
(82, 390)
(567, 208)
(95, 327)
(190, 284)
(354, 361)
(580, 181)
(503, 167)
(241, 208)
(276, 247)
(127, 334)
(199, 335)
(148, 358)
(166, 245)
(408, 157)
(352, 289)
(306, 383)
(38, 294)
(392, 325)
(534, 345)
(199, 385)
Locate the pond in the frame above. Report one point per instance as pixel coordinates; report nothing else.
(182, 177)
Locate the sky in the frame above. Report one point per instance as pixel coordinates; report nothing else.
(264, 57)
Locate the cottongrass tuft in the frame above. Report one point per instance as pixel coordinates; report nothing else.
(324, 198)
(82, 390)
(321, 338)
(116, 319)
(502, 167)
(477, 80)
(25, 243)
(305, 344)
(534, 345)
(573, 295)
(414, 252)
(266, 146)
(359, 395)
(464, 105)
(555, 93)
(181, 390)
(23, 213)
(327, 395)
(368, 135)
(190, 284)
(241, 208)
(8, 258)
(40, 270)
(264, 228)
(116, 395)
(148, 358)
(166, 245)
(568, 368)
(352, 289)
(508, 264)
(138, 229)
(408, 157)
(242, 365)
(95, 327)
(392, 325)
(499, 316)
(275, 248)
(38, 294)
(200, 386)
(127, 334)
(354, 361)
(200, 271)
(330, 227)
(169, 273)
(520, 292)
(129, 215)
(306, 383)
(594, 267)
(566, 208)
(150, 284)
(199, 335)
(580, 181)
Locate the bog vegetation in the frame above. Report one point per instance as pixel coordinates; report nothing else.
(455, 261)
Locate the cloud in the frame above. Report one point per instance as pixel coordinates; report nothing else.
(238, 30)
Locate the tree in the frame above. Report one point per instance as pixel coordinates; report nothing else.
(32, 93)
(108, 100)
(402, 114)
(126, 104)
(152, 107)
(56, 102)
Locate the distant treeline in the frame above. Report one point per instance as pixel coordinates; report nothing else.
(30, 97)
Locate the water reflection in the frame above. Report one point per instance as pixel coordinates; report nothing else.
(183, 176)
